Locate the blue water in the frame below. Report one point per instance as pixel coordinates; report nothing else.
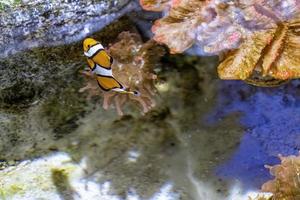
(271, 118)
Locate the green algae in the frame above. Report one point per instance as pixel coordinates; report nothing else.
(9, 191)
(38, 177)
(60, 179)
(8, 3)
(63, 111)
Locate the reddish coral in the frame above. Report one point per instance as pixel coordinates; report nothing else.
(178, 28)
(215, 25)
(271, 51)
(133, 66)
(286, 184)
(259, 38)
(154, 5)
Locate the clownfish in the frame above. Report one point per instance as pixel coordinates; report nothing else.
(100, 64)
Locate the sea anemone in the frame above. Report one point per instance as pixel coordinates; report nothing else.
(133, 66)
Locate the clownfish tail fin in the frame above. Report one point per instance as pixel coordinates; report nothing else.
(127, 91)
(136, 93)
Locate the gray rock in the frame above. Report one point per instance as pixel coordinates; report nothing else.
(47, 23)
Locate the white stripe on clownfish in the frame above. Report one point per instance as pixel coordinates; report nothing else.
(108, 73)
(94, 49)
(102, 71)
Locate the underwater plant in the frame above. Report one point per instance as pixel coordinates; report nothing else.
(257, 40)
(286, 184)
(134, 62)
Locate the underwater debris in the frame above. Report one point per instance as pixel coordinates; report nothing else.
(133, 66)
(62, 184)
(259, 39)
(286, 184)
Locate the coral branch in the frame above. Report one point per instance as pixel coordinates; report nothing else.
(241, 63)
(276, 57)
(154, 5)
(178, 28)
(260, 37)
(286, 184)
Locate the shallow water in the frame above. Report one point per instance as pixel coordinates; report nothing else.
(206, 139)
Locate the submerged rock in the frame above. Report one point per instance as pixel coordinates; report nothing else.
(47, 23)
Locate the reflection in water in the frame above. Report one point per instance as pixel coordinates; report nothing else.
(136, 155)
(271, 118)
(140, 152)
(32, 180)
(201, 190)
(56, 178)
(146, 152)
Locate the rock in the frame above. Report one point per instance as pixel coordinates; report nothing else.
(27, 76)
(47, 23)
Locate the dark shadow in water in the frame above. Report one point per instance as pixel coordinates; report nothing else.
(271, 117)
(61, 182)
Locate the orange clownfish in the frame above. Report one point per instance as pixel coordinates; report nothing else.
(100, 64)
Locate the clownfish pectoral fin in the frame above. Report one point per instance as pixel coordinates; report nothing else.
(136, 93)
(92, 64)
